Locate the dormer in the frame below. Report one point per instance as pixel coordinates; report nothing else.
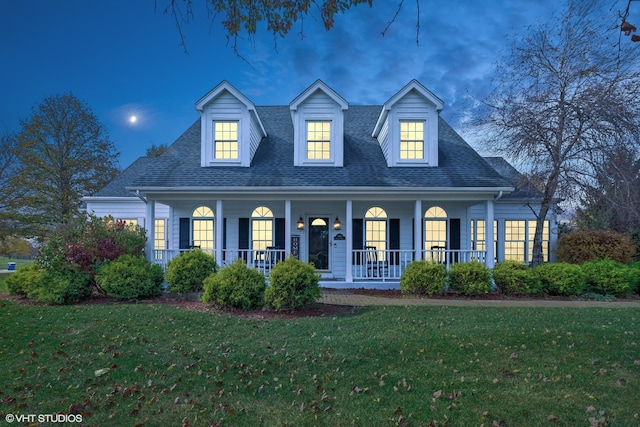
(407, 128)
(230, 127)
(318, 126)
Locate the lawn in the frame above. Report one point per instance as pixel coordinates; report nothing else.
(4, 262)
(157, 365)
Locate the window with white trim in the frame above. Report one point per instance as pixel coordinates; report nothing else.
(435, 232)
(262, 228)
(203, 228)
(411, 140)
(318, 140)
(479, 235)
(518, 240)
(225, 140)
(375, 230)
(160, 234)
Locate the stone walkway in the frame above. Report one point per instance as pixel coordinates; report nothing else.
(346, 297)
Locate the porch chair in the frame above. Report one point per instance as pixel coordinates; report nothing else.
(375, 266)
(266, 258)
(439, 254)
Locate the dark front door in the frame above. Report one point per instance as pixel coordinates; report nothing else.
(319, 242)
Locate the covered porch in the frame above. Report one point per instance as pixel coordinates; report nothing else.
(370, 264)
(351, 239)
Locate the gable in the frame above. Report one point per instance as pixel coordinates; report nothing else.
(407, 127)
(231, 128)
(318, 126)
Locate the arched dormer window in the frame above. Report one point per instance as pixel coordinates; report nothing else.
(202, 224)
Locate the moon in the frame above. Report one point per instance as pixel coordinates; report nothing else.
(133, 119)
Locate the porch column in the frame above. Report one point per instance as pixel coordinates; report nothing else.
(150, 226)
(349, 227)
(417, 229)
(219, 222)
(489, 262)
(287, 228)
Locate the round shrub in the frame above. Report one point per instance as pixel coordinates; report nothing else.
(515, 277)
(608, 277)
(130, 277)
(635, 276)
(235, 285)
(470, 278)
(187, 271)
(589, 245)
(424, 278)
(24, 279)
(561, 278)
(293, 284)
(61, 287)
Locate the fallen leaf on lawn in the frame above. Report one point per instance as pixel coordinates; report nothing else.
(552, 418)
(101, 372)
(437, 394)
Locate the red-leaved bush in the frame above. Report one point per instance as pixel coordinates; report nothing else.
(87, 242)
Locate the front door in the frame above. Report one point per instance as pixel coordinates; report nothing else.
(319, 242)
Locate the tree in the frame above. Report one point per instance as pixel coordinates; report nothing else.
(612, 202)
(563, 96)
(64, 153)
(156, 150)
(243, 17)
(9, 196)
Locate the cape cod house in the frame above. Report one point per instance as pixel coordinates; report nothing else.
(358, 190)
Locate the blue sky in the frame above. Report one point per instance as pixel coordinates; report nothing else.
(123, 58)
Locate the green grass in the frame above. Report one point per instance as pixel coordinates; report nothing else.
(4, 262)
(407, 366)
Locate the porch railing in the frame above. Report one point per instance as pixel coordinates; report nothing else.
(261, 259)
(366, 264)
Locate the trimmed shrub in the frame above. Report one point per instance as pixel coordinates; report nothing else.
(50, 287)
(62, 287)
(235, 285)
(470, 278)
(186, 272)
(424, 278)
(293, 284)
(561, 278)
(608, 277)
(130, 277)
(515, 277)
(590, 245)
(24, 279)
(635, 276)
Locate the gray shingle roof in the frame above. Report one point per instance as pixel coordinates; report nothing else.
(523, 187)
(272, 166)
(116, 188)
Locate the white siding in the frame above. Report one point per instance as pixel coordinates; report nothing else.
(318, 106)
(126, 209)
(412, 106)
(227, 107)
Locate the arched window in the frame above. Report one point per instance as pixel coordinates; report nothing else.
(203, 228)
(261, 228)
(375, 229)
(435, 229)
